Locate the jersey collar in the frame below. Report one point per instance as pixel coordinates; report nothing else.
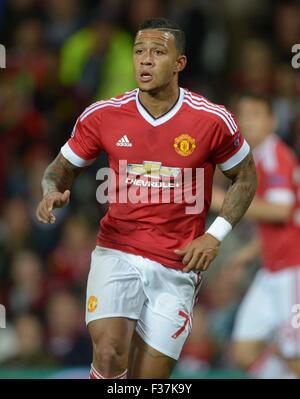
(164, 118)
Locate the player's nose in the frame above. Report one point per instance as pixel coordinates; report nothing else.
(147, 63)
(147, 59)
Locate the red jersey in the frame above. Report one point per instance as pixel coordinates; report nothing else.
(278, 172)
(194, 135)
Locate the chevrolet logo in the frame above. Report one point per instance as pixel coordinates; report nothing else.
(153, 169)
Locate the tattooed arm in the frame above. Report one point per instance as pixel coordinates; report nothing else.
(241, 192)
(202, 251)
(56, 184)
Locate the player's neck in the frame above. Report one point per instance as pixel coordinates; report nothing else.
(159, 102)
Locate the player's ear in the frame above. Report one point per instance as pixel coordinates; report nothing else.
(180, 63)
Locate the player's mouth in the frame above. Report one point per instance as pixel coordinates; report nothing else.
(146, 77)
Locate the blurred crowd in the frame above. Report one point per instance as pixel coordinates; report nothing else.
(63, 55)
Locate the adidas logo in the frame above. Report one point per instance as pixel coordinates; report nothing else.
(124, 142)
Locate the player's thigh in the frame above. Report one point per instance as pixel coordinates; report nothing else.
(115, 298)
(112, 334)
(161, 332)
(114, 287)
(166, 316)
(148, 363)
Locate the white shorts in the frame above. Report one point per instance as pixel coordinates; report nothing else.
(159, 298)
(266, 311)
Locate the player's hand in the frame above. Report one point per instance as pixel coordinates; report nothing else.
(52, 200)
(198, 255)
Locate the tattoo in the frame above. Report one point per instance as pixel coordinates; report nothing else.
(241, 193)
(59, 175)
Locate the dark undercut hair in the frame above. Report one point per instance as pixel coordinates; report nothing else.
(166, 25)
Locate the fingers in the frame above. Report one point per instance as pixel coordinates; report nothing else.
(44, 213)
(49, 203)
(187, 257)
(190, 257)
(66, 197)
(198, 254)
(192, 263)
(198, 262)
(180, 251)
(203, 263)
(40, 214)
(53, 200)
(60, 200)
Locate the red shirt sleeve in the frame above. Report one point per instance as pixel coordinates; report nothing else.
(229, 146)
(84, 146)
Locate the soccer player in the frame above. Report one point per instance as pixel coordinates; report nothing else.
(266, 341)
(146, 268)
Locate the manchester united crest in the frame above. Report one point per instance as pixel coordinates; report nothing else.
(184, 145)
(92, 303)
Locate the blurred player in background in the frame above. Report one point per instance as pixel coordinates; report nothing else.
(265, 341)
(146, 267)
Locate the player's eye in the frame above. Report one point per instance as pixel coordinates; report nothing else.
(138, 51)
(159, 52)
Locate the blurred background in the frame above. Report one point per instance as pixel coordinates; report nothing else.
(61, 56)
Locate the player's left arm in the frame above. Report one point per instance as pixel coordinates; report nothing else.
(202, 251)
(241, 192)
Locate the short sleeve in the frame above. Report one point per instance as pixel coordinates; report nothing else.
(84, 146)
(229, 146)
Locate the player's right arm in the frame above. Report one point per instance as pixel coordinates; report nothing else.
(56, 185)
(78, 152)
